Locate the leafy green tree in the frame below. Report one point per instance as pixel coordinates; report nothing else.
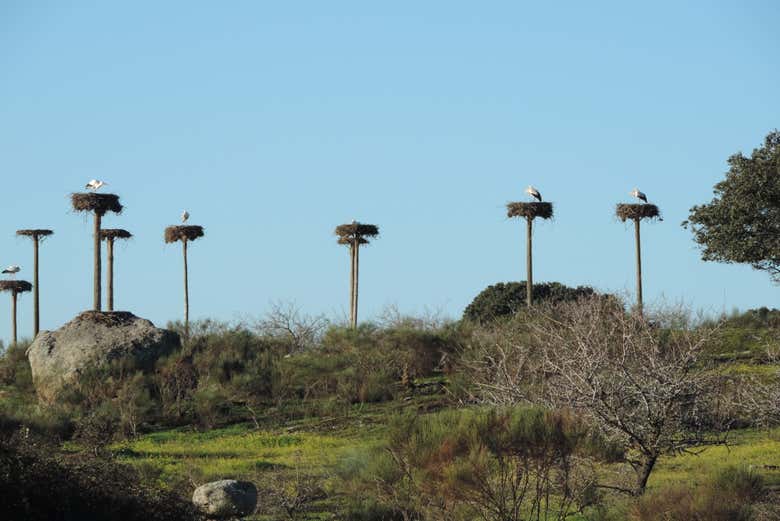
(506, 299)
(742, 222)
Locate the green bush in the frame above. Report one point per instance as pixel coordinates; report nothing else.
(506, 299)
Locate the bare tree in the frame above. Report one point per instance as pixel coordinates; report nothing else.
(285, 320)
(647, 384)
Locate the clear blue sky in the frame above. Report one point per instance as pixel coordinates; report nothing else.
(273, 122)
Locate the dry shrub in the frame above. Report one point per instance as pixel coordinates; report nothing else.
(731, 495)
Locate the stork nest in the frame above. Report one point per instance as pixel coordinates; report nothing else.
(183, 233)
(637, 212)
(15, 286)
(355, 233)
(94, 202)
(115, 233)
(352, 240)
(106, 318)
(34, 233)
(531, 210)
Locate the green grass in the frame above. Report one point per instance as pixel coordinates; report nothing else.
(275, 459)
(749, 447)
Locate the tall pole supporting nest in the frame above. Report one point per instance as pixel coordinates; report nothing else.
(37, 236)
(529, 211)
(353, 235)
(98, 204)
(185, 234)
(529, 262)
(14, 287)
(97, 288)
(637, 212)
(110, 236)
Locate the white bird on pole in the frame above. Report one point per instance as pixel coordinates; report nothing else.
(12, 270)
(95, 185)
(533, 192)
(639, 195)
(184, 216)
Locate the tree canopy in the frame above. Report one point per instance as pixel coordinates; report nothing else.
(742, 222)
(506, 299)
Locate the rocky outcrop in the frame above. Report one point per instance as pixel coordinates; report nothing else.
(226, 499)
(94, 339)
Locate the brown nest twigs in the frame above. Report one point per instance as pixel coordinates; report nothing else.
(115, 233)
(636, 212)
(34, 233)
(532, 210)
(354, 230)
(17, 286)
(94, 202)
(183, 233)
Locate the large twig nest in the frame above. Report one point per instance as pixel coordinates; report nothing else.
(356, 233)
(35, 233)
(94, 202)
(183, 233)
(348, 240)
(542, 210)
(637, 212)
(15, 286)
(115, 233)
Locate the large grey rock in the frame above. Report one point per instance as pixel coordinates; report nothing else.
(94, 339)
(226, 498)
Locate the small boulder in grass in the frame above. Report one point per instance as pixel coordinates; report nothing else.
(226, 499)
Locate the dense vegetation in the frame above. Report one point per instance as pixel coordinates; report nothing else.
(414, 419)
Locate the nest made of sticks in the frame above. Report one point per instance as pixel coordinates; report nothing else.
(35, 233)
(106, 318)
(352, 232)
(351, 240)
(183, 233)
(94, 202)
(532, 210)
(115, 233)
(16, 286)
(637, 212)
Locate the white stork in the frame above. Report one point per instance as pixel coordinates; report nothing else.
(184, 216)
(12, 270)
(533, 192)
(95, 185)
(639, 195)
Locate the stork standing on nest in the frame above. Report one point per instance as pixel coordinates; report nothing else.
(184, 216)
(95, 185)
(12, 270)
(533, 192)
(639, 195)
